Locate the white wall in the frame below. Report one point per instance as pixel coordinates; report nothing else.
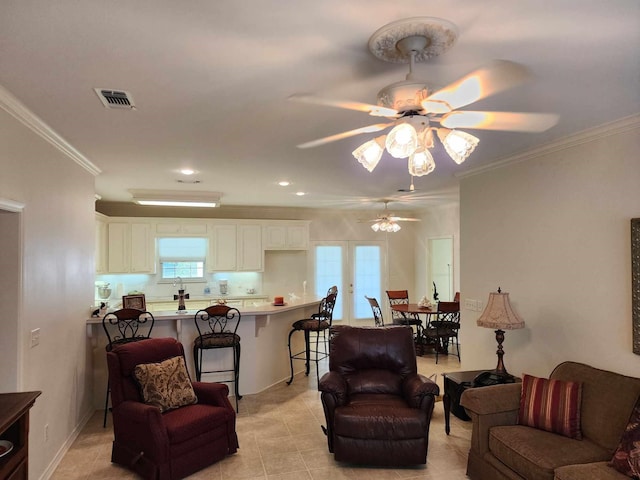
(554, 232)
(58, 270)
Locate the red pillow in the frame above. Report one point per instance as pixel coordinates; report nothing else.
(626, 458)
(551, 405)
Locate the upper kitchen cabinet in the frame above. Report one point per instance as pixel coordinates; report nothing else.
(131, 248)
(235, 247)
(189, 229)
(286, 235)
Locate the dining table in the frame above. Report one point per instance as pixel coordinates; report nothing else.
(431, 313)
(413, 310)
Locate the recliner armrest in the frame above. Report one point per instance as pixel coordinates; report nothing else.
(211, 393)
(335, 384)
(415, 387)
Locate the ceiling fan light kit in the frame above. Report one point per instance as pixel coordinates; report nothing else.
(413, 106)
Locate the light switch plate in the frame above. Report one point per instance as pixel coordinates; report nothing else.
(35, 337)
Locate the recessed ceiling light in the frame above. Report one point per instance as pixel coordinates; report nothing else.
(300, 194)
(187, 171)
(284, 183)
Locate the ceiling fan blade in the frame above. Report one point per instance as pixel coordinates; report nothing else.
(495, 77)
(404, 219)
(339, 136)
(374, 110)
(510, 121)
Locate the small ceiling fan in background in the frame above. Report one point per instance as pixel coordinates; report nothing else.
(415, 110)
(387, 221)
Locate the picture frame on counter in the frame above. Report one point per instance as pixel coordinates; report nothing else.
(134, 301)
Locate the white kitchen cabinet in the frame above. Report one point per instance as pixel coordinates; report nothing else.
(118, 247)
(143, 251)
(223, 248)
(131, 248)
(189, 229)
(235, 247)
(250, 252)
(286, 236)
(101, 245)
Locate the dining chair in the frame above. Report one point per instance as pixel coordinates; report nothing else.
(125, 326)
(444, 331)
(377, 312)
(217, 329)
(401, 297)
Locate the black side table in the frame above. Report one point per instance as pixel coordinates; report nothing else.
(454, 384)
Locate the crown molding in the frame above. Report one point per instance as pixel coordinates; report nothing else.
(18, 110)
(622, 125)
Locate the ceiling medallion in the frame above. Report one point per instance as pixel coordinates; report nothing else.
(438, 36)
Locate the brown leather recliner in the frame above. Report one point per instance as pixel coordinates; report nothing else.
(377, 406)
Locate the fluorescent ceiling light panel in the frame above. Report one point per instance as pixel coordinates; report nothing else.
(169, 198)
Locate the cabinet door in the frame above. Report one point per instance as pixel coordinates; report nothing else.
(101, 247)
(119, 238)
(222, 248)
(298, 237)
(250, 252)
(275, 237)
(143, 252)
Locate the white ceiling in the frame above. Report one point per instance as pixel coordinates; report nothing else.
(210, 80)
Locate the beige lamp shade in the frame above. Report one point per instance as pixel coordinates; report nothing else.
(498, 313)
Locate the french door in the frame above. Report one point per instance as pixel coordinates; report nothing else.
(357, 268)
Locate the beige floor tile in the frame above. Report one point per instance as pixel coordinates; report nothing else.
(280, 439)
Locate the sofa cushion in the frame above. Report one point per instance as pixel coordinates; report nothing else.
(551, 405)
(626, 458)
(607, 401)
(166, 384)
(599, 470)
(534, 454)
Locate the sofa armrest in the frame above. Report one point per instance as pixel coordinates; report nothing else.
(209, 393)
(489, 407)
(417, 388)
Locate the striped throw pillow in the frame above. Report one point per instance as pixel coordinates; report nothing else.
(551, 405)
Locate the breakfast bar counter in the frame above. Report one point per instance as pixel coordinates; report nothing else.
(263, 330)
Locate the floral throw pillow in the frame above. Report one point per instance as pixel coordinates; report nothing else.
(165, 385)
(551, 405)
(626, 458)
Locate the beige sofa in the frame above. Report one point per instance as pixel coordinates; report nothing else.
(501, 449)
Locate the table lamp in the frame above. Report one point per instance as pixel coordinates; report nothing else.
(499, 315)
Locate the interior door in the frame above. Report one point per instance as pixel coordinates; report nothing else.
(357, 268)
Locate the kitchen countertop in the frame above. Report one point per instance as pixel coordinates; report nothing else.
(260, 308)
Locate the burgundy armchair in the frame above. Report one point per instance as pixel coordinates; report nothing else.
(178, 442)
(377, 406)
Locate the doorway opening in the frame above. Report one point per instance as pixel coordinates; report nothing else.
(10, 295)
(440, 271)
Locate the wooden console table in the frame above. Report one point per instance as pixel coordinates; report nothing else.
(14, 427)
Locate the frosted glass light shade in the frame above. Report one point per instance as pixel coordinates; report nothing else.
(369, 153)
(385, 225)
(421, 162)
(402, 140)
(458, 144)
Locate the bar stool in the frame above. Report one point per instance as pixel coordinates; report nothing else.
(319, 323)
(212, 323)
(124, 326)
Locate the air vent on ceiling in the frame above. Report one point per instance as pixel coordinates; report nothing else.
(115, 98)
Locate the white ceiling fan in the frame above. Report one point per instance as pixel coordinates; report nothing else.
(417, 112)
(387, 221)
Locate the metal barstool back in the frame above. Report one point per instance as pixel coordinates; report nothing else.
(377, 312)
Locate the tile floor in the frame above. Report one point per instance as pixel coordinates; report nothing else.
(280, 439)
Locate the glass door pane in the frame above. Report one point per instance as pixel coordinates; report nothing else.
(367, 278)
